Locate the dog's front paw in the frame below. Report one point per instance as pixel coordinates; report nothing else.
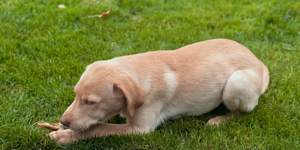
(63, 137)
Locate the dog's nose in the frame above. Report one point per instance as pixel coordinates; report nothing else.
(64, 121)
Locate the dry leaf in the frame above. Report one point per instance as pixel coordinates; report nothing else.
(102, 15)
(53, 126)
(61, 6)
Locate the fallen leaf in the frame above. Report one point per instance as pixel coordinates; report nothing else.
(102, 15)
(61, 6)
(53, 126)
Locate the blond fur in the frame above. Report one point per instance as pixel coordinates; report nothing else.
(151, 87)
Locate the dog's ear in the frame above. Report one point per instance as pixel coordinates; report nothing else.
(134, 93)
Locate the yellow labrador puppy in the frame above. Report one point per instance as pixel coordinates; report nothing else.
(151, 87)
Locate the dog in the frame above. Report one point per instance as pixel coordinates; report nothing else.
(149, 88)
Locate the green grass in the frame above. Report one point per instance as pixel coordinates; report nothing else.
(44, 50)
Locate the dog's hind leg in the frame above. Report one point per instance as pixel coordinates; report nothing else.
(241, 93)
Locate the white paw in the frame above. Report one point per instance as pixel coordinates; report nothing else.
(63, 137)
(215, 121)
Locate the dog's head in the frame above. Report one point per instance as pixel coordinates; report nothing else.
(102, 92)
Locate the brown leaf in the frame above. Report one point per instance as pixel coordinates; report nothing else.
(102, 15)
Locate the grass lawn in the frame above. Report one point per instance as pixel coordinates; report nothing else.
(44, 50)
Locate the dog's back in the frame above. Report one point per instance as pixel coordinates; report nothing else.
(191, 79)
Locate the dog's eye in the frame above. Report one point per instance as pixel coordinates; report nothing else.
(88, 102)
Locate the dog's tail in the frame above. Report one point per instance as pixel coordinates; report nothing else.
(265, 79)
